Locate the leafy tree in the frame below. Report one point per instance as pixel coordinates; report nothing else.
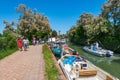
(80, 35)
(0, 35)
(8, 26)
(111, 11)
(32, 23)
(104, 28)
(90, 28)
(9, 36)
(71, 33)
(54, 33)
(85, 21)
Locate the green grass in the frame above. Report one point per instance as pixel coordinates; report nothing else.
(50, 69)
(4, 53)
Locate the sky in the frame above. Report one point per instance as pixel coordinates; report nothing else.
(62, 14)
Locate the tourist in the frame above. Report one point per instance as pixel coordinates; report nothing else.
(34, 40)
(25, 43)
(37, 41)
(19, 43)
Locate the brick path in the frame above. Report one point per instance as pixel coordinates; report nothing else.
(24, 65)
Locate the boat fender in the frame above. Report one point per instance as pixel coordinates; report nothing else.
(76, 67)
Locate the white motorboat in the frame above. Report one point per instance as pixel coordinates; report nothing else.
(99, 52)
(76, 67)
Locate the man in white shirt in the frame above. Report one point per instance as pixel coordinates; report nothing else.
(25, 42)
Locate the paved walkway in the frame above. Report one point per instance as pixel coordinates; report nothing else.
(24, 65)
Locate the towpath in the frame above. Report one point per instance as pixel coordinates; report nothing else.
(24, 65)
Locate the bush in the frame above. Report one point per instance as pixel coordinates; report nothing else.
(12, 43)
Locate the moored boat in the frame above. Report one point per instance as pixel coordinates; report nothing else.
(99, 52)
(78, 68)
(56, 49)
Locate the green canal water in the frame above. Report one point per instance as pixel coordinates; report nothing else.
(108, 64)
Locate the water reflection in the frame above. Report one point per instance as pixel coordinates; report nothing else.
(117, 61)
(106, 59)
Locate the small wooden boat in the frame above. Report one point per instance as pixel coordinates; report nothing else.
(99, 52)
(78, 68)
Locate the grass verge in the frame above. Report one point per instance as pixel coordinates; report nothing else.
(7, 52)
(50, 69)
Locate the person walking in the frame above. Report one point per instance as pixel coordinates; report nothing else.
(25, 43)
(19, 43)
(34, 40)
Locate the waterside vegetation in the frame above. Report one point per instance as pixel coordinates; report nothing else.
(50, 68)
(104, 28)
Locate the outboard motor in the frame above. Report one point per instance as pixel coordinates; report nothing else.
(108, 54)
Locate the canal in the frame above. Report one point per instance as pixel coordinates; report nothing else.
(109, 64)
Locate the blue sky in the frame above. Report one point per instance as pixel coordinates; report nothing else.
(62, 14)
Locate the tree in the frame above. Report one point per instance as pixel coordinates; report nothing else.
(0, 35)
(111, 11)
(104, 28)
(71, 33)
(85, 18)
(85, 24)
(54, 33)
(8, 26)
(90, 28)
(9, 36)
(32, 23)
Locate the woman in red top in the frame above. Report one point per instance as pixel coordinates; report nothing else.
(19, 43)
